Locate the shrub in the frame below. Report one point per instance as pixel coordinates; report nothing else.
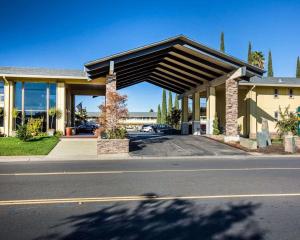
(216, 130)
(34, 126)
(58, 134)
(288, 122)
(118, 133)
(23, 134)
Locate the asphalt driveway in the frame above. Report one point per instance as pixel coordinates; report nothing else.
(149, 144)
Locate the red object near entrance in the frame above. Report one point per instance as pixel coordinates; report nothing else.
(68, 131)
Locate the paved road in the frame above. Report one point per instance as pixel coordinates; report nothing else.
(234, 198)
(152, 144)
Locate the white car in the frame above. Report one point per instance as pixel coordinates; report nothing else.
(147, 128)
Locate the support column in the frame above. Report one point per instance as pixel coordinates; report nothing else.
(61, 105)
(185, 114)
(196, 113)
(252, 113)
(8, 107)
(210, 109)
(111, 87)
(231, 110)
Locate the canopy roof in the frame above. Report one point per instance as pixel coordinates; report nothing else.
(177, 64)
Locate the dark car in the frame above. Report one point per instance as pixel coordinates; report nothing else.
(86, 128)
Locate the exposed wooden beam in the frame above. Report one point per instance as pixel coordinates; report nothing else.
(164, 86)
(175, 85)
(236, 74)
(173, 80)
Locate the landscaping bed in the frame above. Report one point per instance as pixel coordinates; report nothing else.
(10, 146)
(276, 147)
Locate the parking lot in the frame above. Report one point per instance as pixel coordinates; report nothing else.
(156, 144)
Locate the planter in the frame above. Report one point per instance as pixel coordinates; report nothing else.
(51, 132)
(109, 146)
(68, 131)
(297, 142)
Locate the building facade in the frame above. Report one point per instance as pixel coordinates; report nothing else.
(235, 92)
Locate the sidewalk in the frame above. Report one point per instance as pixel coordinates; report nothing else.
(118, 157)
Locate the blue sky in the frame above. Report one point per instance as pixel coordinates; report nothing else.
(66, 34)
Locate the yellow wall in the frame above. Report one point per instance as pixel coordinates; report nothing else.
(267, 104)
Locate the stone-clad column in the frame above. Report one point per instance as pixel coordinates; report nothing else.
(184, 114)
(231, 113)
(111, 87)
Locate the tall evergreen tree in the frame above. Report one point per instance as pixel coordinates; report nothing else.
(270, 65)
(176, 102)
(222, 44)
(250, 53)
(164, 108)
(170, 103)
(298, 68)
(158, 120)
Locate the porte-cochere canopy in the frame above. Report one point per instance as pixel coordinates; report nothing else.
(177, 64)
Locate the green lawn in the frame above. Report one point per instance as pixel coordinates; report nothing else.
(10, 146)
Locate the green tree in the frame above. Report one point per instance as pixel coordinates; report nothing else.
(170, 103)
(249, 53)
(270, 65)
(158, 120)
(222, 44)
(298, 68)
(176, 102)
(164, 108)
(258, 59)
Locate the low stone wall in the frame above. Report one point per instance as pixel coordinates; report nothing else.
(107, 146)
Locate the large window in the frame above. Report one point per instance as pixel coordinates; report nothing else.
(1, 103)
(32, 100)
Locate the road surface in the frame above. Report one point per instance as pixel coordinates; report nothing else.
(232, 198)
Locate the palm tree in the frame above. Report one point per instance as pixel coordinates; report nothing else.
(258, 59)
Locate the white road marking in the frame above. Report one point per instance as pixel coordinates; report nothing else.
(146, 171)
(140, 198)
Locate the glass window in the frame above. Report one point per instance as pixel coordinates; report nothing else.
(35, 98)
(276, 116)
(52, 95)
(18, 95)
(1, 103)
(291, 93)
(276, 92)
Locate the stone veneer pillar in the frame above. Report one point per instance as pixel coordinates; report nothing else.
(184, 116)
(231, 110)
(111, 87)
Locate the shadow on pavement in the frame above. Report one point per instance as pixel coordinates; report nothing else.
(177, 219)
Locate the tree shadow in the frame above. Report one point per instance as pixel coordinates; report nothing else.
(156, 219)
(139, 142)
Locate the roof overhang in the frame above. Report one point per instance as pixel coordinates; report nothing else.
(177, 64)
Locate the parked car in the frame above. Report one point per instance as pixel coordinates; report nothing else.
(148, 128)
(162, 127)
(86, 128)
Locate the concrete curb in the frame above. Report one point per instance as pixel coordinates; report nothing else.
(120, 157)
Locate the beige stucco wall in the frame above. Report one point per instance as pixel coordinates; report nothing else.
(267, 104)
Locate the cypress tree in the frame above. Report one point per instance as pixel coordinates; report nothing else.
(222, 44)
(164, 108)
(176, 102)
(170, 103)
(158, 120)
(298, 68)
(250, 53)
(270, 65)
